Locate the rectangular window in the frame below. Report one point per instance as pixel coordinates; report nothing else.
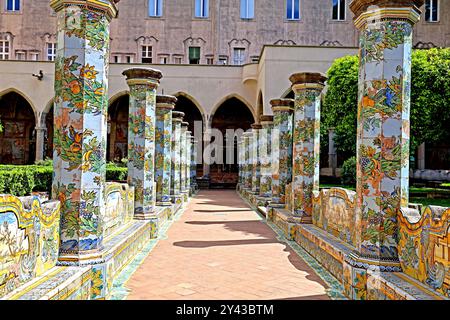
(293, 9)
(339, 10)
(155, 8)
(432, 10)
(21, 55)
(223, 60)
(201, 8)
(34, 56)
(12, 5)
(177, 60)
(163, 60)
(4, 50)
(117, 58)
(209, 60)
(238, 56)
(247, 9)
(147, 54)
(51, 51)
(194, 55)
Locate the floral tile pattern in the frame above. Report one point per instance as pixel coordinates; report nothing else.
(383, 135)
(175, 177)
(306, 148)
(163, 159)
(282, 152)
(80, 110)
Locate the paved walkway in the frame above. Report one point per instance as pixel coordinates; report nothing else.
(220, 249)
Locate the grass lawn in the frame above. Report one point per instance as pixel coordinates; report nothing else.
(432, 202)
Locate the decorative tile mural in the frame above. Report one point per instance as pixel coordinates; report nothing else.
(163, 155)
(188, 162)
(141, 138)
(306, 141)
(80, 109)
(424, 246)
(256, 160)
(183, 153)
(383, 135)
(282, 151)
(265, 145)
(29, 239)
(175, 177)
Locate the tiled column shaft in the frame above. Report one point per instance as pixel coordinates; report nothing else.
(247, 176)
(187, 172)
(163, 158)
(240, 161)
(80, 110)
(282, 149)
(184, 126)
(306, 141)
(141, 138)
(386, 33)
(256, 172)
(265, 145)
(175, 178)
(251, 160)
(193, 164)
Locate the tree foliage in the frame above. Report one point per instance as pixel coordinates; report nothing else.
(430, 99)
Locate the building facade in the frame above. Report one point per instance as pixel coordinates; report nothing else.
(206, 31)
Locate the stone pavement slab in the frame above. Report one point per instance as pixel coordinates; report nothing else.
(220, 249)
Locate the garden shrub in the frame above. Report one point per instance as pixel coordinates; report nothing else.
(348, 176)
(22, 180)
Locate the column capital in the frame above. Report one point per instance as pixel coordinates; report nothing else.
(184, 125)
(107, 6)
(256, 126)
(165, 102)
(282, 105)
(177, 116)
(307, 80)
(366, 10)
(266, 120)
(136, 76)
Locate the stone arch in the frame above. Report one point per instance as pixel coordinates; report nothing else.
(117, 130)
(231, 113)
(18, 138)
(194, 101)
(259, 107)
(228, 97)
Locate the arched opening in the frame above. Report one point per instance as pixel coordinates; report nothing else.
(18, 137)
(117, 142)
(47, 121)
(260, 107)
(231, 114)
(192, 115)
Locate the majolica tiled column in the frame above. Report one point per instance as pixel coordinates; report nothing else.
(283, 110)
(188, 162)
(240, 148)
(306, 141)
(141, 138)
(193, 165)
(256, 170)
(184, 128)
(383, 126)
(265, 147)
(80, 110)
(247, 173)
(163, 155)
(175, 177)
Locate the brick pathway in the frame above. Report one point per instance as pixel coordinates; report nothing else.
(219, 249)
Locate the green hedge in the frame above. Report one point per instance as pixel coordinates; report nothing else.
(22, 180)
